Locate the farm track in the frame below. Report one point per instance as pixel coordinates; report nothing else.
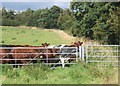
(63, 35)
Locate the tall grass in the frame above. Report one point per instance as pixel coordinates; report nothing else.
(76, 74)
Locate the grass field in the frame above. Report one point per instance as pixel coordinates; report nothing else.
(81, 73)
(76, 74)
(22, 36)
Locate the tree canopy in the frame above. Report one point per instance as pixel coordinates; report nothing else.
(94, 20)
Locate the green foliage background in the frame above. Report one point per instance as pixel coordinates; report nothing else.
(95, 20)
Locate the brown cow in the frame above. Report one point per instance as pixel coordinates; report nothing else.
(27, 56)
(9, 56)
(49, 56)
(54, 50)
(5, 56)
(76, 44)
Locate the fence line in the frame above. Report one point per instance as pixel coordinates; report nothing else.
(103, 45)
(35, 64)
(90, 49)
(36, 48)
(80, 52)
(36, 59)
(35, 53)
(68, 51)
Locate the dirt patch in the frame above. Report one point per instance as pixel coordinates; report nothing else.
(28, 27)
(62, 34)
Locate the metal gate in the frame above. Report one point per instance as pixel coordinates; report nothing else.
(81, 53)
(61, 59)
(103, 55)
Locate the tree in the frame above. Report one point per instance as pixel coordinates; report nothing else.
(53, 14)
(8, 18)
(66, 20)
(48, 17)
(93, 20)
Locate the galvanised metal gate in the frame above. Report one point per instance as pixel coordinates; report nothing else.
(62, 57)
(81, 53)
(103, 55)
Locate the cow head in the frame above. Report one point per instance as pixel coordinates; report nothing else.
(78, 43)
(45, 44)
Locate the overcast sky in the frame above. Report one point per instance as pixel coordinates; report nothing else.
(21, 6)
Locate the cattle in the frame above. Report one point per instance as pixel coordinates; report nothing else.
(61, 49)
(12, 45)
(27, 56)
(19, 56)
(70, 57)
(45, 57)
(76, 44)
(5, 56)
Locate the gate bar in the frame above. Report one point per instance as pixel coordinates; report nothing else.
(87, 53)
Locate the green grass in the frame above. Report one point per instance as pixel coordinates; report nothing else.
(22, 36)
(76, 74)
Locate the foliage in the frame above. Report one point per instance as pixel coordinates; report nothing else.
(66, 20)
(94, 20)
(6, 22)
(8, 18)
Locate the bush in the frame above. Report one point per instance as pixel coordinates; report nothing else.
(7, 22)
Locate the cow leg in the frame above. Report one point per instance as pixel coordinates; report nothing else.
(63, 62)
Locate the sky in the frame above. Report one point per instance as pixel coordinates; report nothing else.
(22, 6)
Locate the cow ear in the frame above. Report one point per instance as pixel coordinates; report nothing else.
(75, 43)
(79, 42)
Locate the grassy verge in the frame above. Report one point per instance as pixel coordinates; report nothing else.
(76, 74)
